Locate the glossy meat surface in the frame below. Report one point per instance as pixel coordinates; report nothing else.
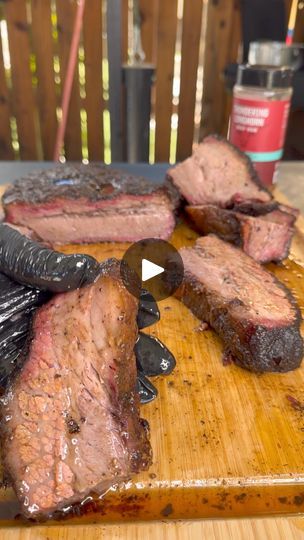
(70, 420)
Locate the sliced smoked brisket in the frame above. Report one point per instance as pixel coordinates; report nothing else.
(90, 203)
(265, 238)
(71, 421)
(218, 173)
(255, 315)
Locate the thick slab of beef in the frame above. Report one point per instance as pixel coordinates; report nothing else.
(71, 421)
(218, 173)
(90, 203)
(254, 314)
(265, 238)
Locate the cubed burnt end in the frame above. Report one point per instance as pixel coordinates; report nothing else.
(255, 314)
(71, 420)
(90, 203)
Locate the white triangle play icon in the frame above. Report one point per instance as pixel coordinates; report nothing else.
(150, 270)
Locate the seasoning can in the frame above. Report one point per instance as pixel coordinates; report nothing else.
(260, 109)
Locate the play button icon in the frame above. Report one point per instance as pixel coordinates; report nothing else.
(150, 270)
(153, 265)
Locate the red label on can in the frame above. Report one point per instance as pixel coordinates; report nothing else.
(258, 125)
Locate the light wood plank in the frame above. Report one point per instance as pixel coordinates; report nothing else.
(92, 41)
(223, 31)
(192, 17)
(6, 150)
(65, 16)
(148, 12)
(43, 50)
(244, 529)
(114, 38)
(22, 91)
(166, 37)
(232, 56)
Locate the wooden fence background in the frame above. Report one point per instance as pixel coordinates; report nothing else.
(190, 42)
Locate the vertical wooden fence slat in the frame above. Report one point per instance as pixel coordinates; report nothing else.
(235, 40)
(148, 11)
(92, 42)
(6, 150)
(22, 91)
(218, 43)
(114, 39)
(192, 18)
(125, 15)
(65, 22)
(43, 49)
(166, 37)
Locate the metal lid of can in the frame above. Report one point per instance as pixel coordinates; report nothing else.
(264, 76)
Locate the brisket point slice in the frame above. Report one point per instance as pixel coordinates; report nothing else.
(265, 238)
(255, 315)
(90, 203)
(218, 173)
(71, 421)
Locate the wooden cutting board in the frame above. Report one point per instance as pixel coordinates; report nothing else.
(226, 442)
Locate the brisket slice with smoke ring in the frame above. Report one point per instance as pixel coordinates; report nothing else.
(255, 315)
(218, 173)
(265, 238)
(71, 421)
(90, 203)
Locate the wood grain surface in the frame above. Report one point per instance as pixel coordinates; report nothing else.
(166, 37)
(192, 17)
(43, 47)
(6, 149)
(22, 93)
(226, 442)
(92, 43)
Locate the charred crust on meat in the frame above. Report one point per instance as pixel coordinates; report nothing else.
(72, 425)
(248, 340)
(251, 354)
(73, 181)
(265, 237)
(254, 209)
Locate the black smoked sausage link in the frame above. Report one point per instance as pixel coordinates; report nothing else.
(30, 264)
